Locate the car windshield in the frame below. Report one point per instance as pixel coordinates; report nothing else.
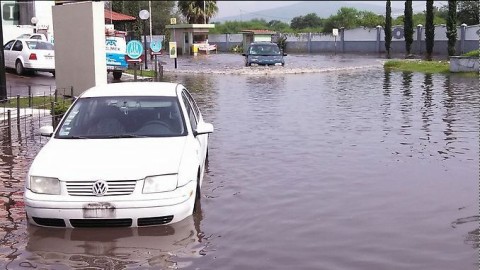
(264, 49)
(123, 117)
(39, 45)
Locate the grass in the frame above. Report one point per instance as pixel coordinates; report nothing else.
(40, 103)
(143, 73)
(418, 66)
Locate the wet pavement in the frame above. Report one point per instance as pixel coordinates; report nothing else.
(345, 166)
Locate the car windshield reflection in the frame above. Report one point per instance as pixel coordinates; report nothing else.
(264, 50)
(123, 117)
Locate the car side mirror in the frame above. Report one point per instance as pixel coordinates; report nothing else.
(284, 54)
(203, 128)
(46, 131)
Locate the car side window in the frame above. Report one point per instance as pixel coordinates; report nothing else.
(190, 112)
(8, 46)
(18, 46)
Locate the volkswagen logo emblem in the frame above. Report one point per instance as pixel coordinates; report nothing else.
(99, 188)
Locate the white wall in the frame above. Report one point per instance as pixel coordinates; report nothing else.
(80, 51)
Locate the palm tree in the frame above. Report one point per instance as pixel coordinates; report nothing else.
(199, 11)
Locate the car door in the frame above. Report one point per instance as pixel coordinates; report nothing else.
(16, 53)
(7, 52)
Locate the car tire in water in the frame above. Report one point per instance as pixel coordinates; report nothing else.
(117, 75)
(19, 67)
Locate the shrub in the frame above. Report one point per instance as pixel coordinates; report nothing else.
(473, 53)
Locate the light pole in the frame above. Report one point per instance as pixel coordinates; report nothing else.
(3, 79)
(144, 15)
(34, 21)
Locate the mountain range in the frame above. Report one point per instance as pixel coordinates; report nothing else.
(323, 9)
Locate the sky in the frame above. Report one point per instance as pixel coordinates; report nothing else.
(233, 8)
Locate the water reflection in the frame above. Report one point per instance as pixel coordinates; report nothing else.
(158, 247)
(427, 112)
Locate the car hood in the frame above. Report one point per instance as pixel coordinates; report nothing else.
(108, 159)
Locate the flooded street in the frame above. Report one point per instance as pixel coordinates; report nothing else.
(349, 167)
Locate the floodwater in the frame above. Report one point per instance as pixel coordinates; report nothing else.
(337, 169)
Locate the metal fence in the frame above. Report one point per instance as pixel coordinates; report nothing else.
(27, 108)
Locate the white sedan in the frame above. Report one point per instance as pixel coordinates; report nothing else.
(29, 55)
(125, 154)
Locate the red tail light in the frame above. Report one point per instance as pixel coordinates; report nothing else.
(32, 56)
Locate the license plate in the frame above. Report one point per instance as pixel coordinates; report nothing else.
(99, 210)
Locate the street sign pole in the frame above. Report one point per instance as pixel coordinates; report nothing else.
(3, 79)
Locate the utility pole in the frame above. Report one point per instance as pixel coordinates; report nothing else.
(3, 79)
(150, 10)
(204, 15)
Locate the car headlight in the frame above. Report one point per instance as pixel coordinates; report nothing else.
(44, 185)
(160, 183)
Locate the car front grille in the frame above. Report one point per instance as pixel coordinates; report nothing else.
(154, 221)
(91, 223)
(50, 222)
(115, 188)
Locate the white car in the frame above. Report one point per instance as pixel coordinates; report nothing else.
(29, 55)
(125, 154)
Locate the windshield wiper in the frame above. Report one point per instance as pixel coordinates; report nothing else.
(74, 137)
(126, 136)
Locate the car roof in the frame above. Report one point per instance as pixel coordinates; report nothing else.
(263, 43)
(133, 89)
(32, 39)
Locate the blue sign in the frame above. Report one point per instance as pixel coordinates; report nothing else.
(134, 49)
(156, 45)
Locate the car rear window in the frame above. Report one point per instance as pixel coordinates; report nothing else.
(39, 45)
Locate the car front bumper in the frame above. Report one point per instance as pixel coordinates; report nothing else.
(125, 211)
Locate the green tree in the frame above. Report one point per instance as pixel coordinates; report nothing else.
(162, 11)
(310, 20)
(429, 29)
(468, 12)
(408, 26)
(346, 17)
(278, 26)
(197, 11)
(369, 19)
(452, 26)
(388, 27)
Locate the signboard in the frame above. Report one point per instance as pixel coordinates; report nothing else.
(10, 12)
(172, 48)
(335, 32)
(134, 49)
(173, 20)
(156, 45)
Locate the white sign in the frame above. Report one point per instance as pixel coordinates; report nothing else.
(335, 32)
(173, 20)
